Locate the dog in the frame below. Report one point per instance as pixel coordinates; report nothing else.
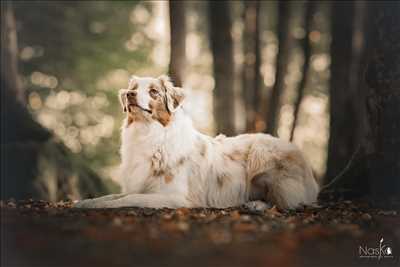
(166, 162)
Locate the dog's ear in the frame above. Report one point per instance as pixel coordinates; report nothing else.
(174, 95)
(122, 99)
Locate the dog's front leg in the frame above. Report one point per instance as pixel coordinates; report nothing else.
(141, 200)
(88, 202)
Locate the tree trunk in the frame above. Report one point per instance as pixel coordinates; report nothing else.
(306, 46)
(223, 66)
(178, 41)
(273, 108)
(353, 183)
(9, 51)
(34, 164)
(375, 171)
(251, 86)
(382, 144)
(345, 103)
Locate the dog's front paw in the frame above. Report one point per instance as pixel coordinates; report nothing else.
(80, 204)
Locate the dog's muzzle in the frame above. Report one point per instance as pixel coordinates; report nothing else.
(132, 103)
(139, 107)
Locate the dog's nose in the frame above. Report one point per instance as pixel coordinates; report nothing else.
(131, 94)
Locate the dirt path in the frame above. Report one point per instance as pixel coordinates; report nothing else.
(38, 233)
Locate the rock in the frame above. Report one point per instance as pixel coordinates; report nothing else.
(257, 207)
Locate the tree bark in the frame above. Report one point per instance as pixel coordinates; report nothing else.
(251, 86)
(223, 65)
(382, 144)
(33, 163)
(306, 46)
(178, 41)
(273, 108)
(345, 103)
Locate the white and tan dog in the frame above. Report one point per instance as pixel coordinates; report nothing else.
(166, 162)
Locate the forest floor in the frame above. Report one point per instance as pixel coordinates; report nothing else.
(39, 233)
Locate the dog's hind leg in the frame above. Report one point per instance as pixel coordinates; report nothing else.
(284, 192)
(279, 174)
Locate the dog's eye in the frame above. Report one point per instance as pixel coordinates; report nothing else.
(154, 92)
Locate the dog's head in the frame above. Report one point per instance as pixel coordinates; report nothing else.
(151, 99)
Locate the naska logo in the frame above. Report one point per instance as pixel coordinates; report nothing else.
(383, 251)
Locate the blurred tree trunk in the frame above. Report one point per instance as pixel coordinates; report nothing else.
(251, 86)
(223, 66)
(33, 163)
(375, 172)
(345, 102)
(178, 41)
(272, 118)
(306, 47)
(354, 182)
(382, 143)
(9, 51)
(17, 125)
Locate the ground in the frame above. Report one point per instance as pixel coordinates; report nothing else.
(39, 233)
